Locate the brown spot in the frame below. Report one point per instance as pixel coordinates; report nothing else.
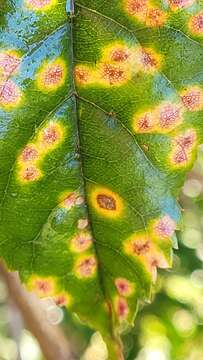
(31, 173)
(137, 7)
(106, 202)
(140, 247)
(113, 73)
(82, 75)
(43, 286)
(145, 123)
(60, 300)
(123, 286)
(155, 17)
(122, 308)
(196, 24)
(119, 55)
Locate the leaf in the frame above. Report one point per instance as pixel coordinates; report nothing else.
(100, 120)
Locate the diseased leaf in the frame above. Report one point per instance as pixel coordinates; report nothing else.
(100, 119)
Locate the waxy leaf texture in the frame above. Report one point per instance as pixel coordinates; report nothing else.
(100, 120)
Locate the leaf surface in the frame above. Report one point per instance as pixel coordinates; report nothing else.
(100, 120)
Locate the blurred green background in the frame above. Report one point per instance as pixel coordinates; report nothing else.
(171, 328)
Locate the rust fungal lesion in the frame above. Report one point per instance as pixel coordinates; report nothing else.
(106, 202)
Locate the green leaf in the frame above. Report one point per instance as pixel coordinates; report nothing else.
(100, 120)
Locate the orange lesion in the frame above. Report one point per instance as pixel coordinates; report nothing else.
(196, 24)
(63, 299)
(106, 202)
(40, 5)
(144, 11)
(142, 247)
(28, 162)
(183, 146)
(156, 17)
(42, 286)
(119, 62)
(162, 119)
(51, 75)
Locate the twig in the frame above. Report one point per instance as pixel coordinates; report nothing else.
(51, 339)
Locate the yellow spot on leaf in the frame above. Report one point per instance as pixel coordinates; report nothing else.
(42, 286)
(10, 95)
(85, 266)
(143, 249)
(183, 146)
(81, 241)
(48, 139)
(196, 24)
(40, 5)
(124, 287)
(51, 75)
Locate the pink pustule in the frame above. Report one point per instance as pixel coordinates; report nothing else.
(187, 140)
(165, 227)
(87, 266)
(119, 55)
(137, 7)
(180, 156)
(9, 63)
(156, 261)
(29, 154)
(70, 200)
(145, 123)
(141, 247)
(43, 286)
(122, 308)
(9, 93)
(179, 4)
(82, 224)
(192, 100)
(39, 4)
(50, 135)
(53, 75)
(113, 74)
(148, 59)
(124, 287)
(31, 173)
(82, 242)
(169, 116)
